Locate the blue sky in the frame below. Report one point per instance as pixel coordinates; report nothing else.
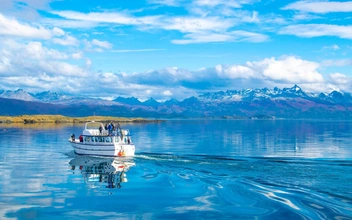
(174, 49)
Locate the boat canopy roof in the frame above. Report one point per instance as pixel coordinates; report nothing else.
(92, 128)
(93, 125)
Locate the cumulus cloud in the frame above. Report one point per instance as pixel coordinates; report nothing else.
(289, 70)
(172, 82)
(60, 68)
(339, 78)
(341, 81)
(32, 58)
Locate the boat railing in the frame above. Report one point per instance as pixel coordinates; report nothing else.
(117, 132)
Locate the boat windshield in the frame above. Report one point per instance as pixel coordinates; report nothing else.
(93, 125)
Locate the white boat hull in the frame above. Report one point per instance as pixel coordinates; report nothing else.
(108, 149)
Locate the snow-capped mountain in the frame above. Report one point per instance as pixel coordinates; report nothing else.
(49, 96)
(283, 103)
(128, 101)
(52, 97)
(19, 94)
(274, 94)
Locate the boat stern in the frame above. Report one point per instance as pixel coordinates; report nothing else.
(126, 150)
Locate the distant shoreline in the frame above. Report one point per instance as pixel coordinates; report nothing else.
(33, 119)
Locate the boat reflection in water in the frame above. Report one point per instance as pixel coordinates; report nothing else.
(100, 171)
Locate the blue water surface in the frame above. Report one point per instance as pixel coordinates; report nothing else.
(183, 169)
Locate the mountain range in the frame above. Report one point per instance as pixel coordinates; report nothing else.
(247, 103)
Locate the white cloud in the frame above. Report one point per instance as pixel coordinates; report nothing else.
(196, 29)
(165, 2)
(11, 27)
(88, 62)
(35, 50)
(73, 24)
(203, 37)
(77, 56)
(341, 82)
(171, 82)
(103, 44)
(102, 17)
(285, 71)
(24, 9)
(44, 82)
(289, 70)
(338, 62)
(318, 30)
(195, 24)
(332, 47)
(320, 6)
(61, 68)
(203, 3)
(338, 78)
(67, 41)
(228, 3)
(235, 72)
(96, 45)
(58, 31)
(234, 36)
(305, 16)
(167, 93)
(5, 65)
(136, 50)
(32, 59)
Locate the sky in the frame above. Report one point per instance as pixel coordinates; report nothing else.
(174, 48)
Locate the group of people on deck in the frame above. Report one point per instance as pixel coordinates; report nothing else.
(111, 128)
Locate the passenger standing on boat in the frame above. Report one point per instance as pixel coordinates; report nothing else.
(109, 129)
(100, 129)
(106, 126)
(113, 128)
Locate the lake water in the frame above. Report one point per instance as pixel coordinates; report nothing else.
(186, 169)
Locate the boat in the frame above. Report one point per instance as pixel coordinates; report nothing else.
(102, 171)
(97, 140)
